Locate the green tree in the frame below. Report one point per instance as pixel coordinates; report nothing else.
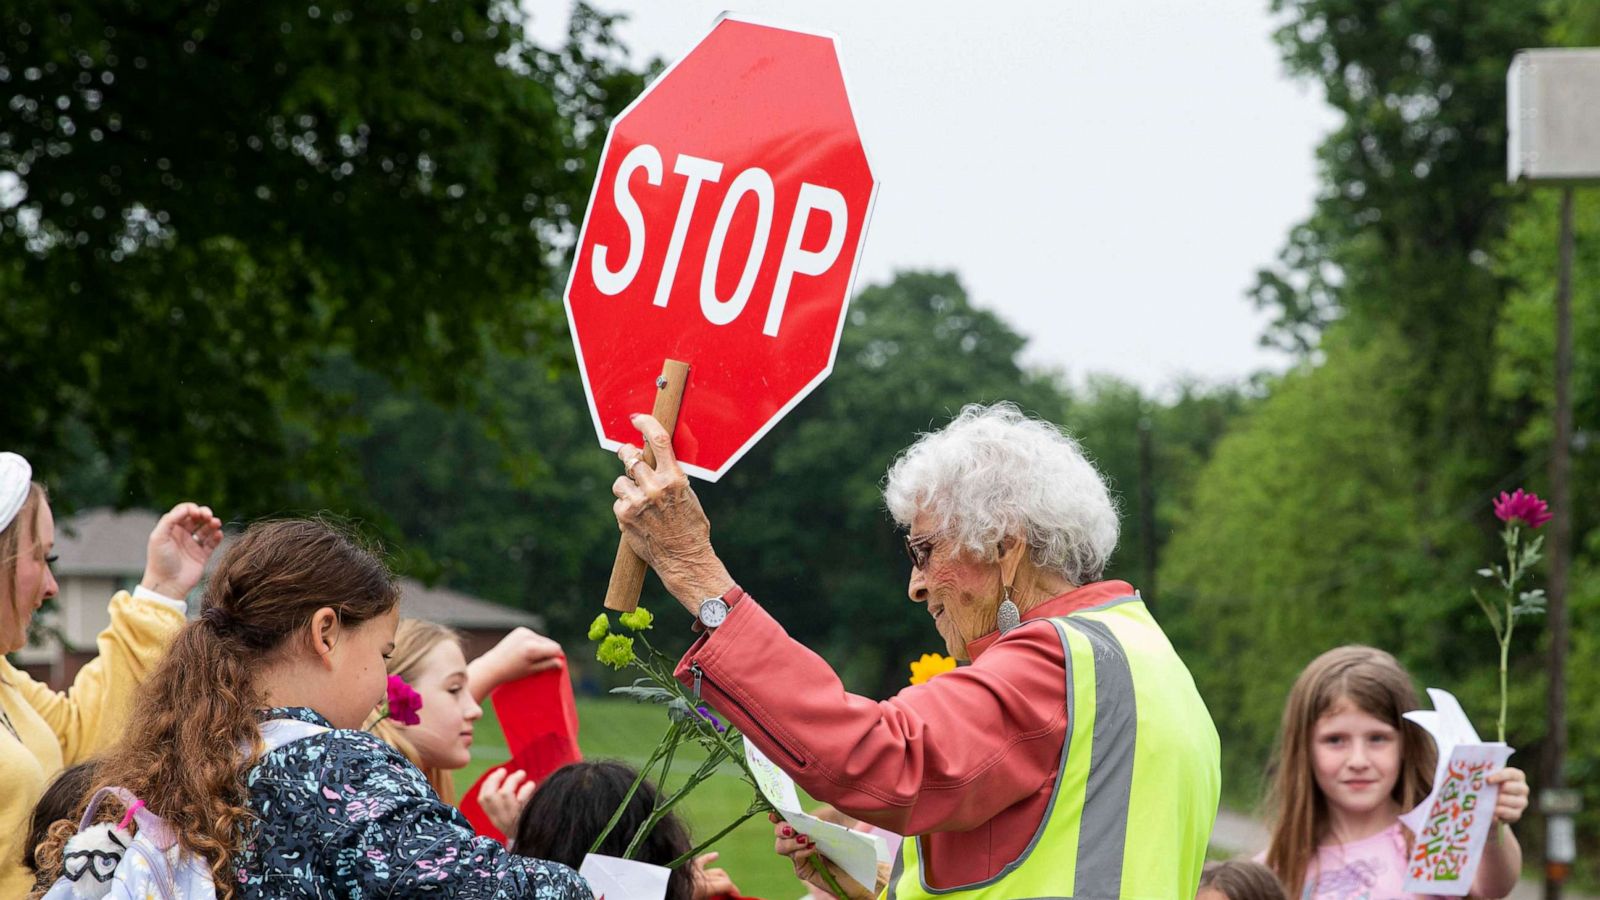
(1352, 502)
(505, 495)
(1304, 533)
(1524, 378)
(1107, 415)
(1412, 203)
(200, 204)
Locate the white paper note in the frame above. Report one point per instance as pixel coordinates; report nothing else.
(624, 879)
(1452, 824)
(855, 852)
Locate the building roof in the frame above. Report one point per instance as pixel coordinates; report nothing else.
(103, 542)
(458, 610)
(108, 543)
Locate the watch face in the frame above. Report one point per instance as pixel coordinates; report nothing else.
(713, 612)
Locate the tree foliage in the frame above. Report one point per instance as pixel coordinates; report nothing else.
(1305, 532)
(1413, 201)
(202, 203)
(1352, 504)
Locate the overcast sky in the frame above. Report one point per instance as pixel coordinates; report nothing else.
(1107, 176)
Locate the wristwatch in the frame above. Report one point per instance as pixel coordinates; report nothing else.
(714, 610)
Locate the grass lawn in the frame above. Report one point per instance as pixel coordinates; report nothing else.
(610, 728)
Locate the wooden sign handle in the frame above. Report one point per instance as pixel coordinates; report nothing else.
(627, 573)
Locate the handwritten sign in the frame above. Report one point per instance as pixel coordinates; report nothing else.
(1452, 824)
(858, 854)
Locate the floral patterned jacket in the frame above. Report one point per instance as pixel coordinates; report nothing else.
(341, 814)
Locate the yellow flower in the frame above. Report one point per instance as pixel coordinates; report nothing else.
(599, 628)
(638, 620)
(929, 665)
(615, 651)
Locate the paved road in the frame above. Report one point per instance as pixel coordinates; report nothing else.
(1241, 835)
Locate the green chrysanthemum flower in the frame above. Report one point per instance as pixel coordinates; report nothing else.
(599, 628)
(615, 651)
(638, 620)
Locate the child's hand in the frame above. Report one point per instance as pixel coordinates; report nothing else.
(1513, 800)
(502, 796)
(709, 882)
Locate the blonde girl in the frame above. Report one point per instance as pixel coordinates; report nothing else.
(1348, 766)
(432, 659)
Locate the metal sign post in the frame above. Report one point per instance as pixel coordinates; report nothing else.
(1554, 138)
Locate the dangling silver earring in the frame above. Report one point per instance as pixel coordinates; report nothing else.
(1007, 616)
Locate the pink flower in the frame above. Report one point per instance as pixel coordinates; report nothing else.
(1522, 505)
(403, 701)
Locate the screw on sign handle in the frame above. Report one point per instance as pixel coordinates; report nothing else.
(627, 573)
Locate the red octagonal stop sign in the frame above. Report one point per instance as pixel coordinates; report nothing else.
(724, 230)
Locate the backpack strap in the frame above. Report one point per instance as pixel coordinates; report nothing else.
(274, 733)
(150, 824)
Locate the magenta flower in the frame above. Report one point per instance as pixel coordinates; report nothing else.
(1524, 506)
(404, 701)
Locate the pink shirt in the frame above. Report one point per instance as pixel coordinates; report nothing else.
(1372, 868)
(969, 759)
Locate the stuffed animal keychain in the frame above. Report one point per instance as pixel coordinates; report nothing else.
(91, 856)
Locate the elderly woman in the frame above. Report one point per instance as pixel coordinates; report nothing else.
(41, 731)
(1072, 758)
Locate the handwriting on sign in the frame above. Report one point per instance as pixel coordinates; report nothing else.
(1443, 849)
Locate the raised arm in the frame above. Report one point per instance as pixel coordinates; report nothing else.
(946, 755)
(89, 715)
(520, 653)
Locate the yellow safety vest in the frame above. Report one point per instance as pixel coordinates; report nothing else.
(1141, 771)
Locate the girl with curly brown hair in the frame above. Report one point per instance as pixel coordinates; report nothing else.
(295, 625)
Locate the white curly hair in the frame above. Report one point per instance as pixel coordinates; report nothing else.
(994, 471)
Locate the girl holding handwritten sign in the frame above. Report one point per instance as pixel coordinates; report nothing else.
(1348, 766)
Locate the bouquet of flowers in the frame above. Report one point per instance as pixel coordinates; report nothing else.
(688, 720)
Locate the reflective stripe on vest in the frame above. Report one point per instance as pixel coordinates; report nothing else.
(1140, 748)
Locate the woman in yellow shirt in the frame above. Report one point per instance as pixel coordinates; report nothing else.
(41, 730)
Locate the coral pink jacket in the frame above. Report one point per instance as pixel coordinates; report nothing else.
(968, 759)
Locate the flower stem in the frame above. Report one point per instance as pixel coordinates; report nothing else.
(1505, 650)
(833, 883)
(1513, 540)
(666, 765)
(663, 807)
(628, 797)
(706, 844)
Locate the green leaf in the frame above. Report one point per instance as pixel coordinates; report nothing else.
(644, 690)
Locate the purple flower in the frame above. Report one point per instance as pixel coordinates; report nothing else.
(1524, 506)
(706, 713)
(403, 701)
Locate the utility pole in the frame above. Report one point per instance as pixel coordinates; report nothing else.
(1553, 130)
(1555, 748)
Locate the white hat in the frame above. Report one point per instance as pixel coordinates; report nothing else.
(15, 476)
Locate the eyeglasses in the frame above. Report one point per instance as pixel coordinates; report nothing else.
(920, 548)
